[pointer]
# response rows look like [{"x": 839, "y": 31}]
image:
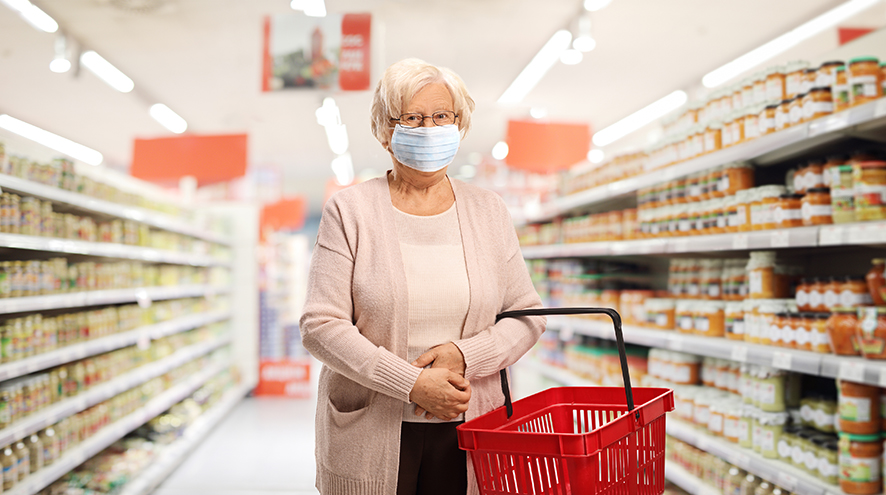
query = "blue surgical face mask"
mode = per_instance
[{"x": 426, "y": 149}]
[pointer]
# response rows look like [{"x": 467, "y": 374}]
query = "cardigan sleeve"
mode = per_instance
[
  {"x": 327, "y": 327},
  {"x": 505, "y": 342}
]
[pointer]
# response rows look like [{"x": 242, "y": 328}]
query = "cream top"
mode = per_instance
[{"x": 437, "y": 283}]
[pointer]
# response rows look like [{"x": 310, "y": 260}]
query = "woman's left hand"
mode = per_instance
[{"x": 447, "y": 356}]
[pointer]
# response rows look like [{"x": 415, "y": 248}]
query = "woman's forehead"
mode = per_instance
[{"x": 432, "y": 94}]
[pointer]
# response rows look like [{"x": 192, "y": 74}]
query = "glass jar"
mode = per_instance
[
  {"x": 869, "y": 181},
  {"x": 859, "y": 408},
  {"x": 716, "y": 419},
  {"x": 745, "y": 427},
  {"x": 734, "y": 321},
  {"x": 783, "y": 115},
  {"x": 770, "y": 386},
  {"x": 775, "y": 84},
  {"x": 683, "y": 311},
  {"x": 816, "y": 207},
  {"x": 685, "y": 369},
  {"x": 854, "y": 293},
  {"x": 713, "y": 137},
  {"x": 661, "y": 313},
  {"x": 832, "y": 293},
  {"x": 876, "y": 281},
  {"x": 841, "y": 332},
  {"x": 788, "y": 211},
  {"x": 829, "y": 178},
  {"x": 785, "y": 443},
  {"x": 766, "y": 278},
  {"x": 827, "y": 73},
  {"x": 771, "y": 429},
  {"x": 794, "y": 76},
  {"x": 709, "y": 319},
  {"x": 766, "y": 119},
  {"x": 768, "y": 199},
  {"x": 865, "y": 80},
  {"x": 828, "y": 469},
  {"x": 860, "y": 463},
  {"x": 817, "y": 103},
  {"x": 795, "y": 110},
  {"x": 840, "y": 90},
  {"x": 871, "y": 332},
  {"x": 742, "y": 220}
]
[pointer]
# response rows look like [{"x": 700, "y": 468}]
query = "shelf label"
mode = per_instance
[
  {"x": 740, "y": 353},
  {"x": 675, "y": 343},
  {"x": 781, "y": 360},
  {"x": 680, "y": 245},
  {"x": 786, "y": 481},
  {"x": 852, "y": 371},
  {"x": 780, "y": 239},
  {"x": 883, "y": 377},
  {"x": 740, "y": 241},
  {"x": 880, "y": 109},
  {"x": 830, "y": 235},
  {"x": 143, "y": 298}
]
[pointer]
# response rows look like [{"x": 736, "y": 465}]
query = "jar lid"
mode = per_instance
[
  {"x": 816, "y": 89},
  {"x": 859, "y": 60},
  {"x": 800, "y": 96},
  {"x": 860, "y": 438},
  {"x": 832, "y": 63},
  {"x": 842, "y": 68},
  {"x": 823, "y": 189},
  {"x": 791, "y": 196}
]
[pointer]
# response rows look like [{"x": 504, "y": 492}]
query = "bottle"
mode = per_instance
[
  {"x": 10, "y": 471},
  {"x": 50, "y": 446},
  {"x": 875, "y": 280},
  {"x": 24, "y": 460},
  {"x": 35, "y": 449}
]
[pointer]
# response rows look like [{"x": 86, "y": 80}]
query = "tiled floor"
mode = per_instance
[{"x": 264, "y": 447}]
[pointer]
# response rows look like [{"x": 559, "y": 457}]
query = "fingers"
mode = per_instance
[
  {"x": 425, "y": 359},
  {"x": 419, "y": 410},
  {"x": 458, "y": 381}
]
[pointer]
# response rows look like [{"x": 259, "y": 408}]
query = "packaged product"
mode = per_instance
[
  {"x": 865, "y": 80},
  {"x": 860, "y": 463},
  {"x": 869, "y": 181},
  {"x": 859, "y": 408},
  {"x": 816, "y": 207},
  {"x": 876, "y": 281},
  {"x": 871, "y": 332},
  {"x": 841, "y": 326}
]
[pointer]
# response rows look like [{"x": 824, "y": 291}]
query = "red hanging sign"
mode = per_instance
[{"x": 354, "y": 63}]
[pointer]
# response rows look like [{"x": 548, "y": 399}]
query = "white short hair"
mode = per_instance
[{"x": 401, "y": 81}]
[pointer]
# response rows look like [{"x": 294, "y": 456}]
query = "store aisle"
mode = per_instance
[{"x": 264, "y": 447}]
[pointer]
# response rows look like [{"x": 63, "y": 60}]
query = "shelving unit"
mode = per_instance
[
  {"x": 109, "y": 343},
  {"x": 794, "y": 141},
  {"x": 68, "y": 407},
  {"x": 687, "y": 481},
  {"x": 110, "y": 434},
  {"x": 96, "y": 206},
  {"x": 107, "y": 250},
  {"x": 100, "y": 297}
]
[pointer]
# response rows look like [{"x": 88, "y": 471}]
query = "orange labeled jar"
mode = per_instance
[
  {"x": 809, "y": 78},
  {"x": 816, "y": 207},
  {"x": 775, "y": 84},
  {"x": 767, "y": 279},
  {"x": 766, "y": 120},
  {"x": 841, "y": 332},
  {"x": 859, "y": 408},
  {"x": 734, "y": 177},
  {"x": 812, "y": 175},
  {"x": 802, "y": 295},
  {"x": 661, "y": 313},
  {"x": 876, "y": 281},
  {"x": 752, "y": 122},
  {"x": 860, "y": 461},
  {"x": 830, "y": 174},
  {"x": 734, "y": 320},
  {"x": 821, "y": 340},
  {"x": 794, "y": 76},
  {"x": 710, "y": 319},
  {"x": 869, "y": 180},
  {"x": 871, "y": 332},
  {"x": 727, "y": 134},
  {"x": 783, "y": 115},
  {"x": 826, "y": 76},
  {"x": 854, "y": 293},
  {"x": 817, "y": 103},
  {"x": 730, "y": 213},
  {"x": 840, "y": 90},
  {"x": 742, "y": 220},
  {"x": 769, "y": 199},
  {"x": 684, "y": 316},
  {"x": 788, "y": 211},
  {"x": 865, "y": 82},
  {"x": 802, "y": 331},
  {"x": 832, "y": 294},
  {"x": 713, "y": 137},
  {"x": 782, "y": 333},
  {"x": 795, "y": 110}
]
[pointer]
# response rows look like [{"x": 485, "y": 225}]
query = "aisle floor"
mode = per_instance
[{"x": 265, "y": 446}]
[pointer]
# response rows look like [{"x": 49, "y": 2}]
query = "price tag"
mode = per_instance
[
  {"x": 143, "y": 299},
  {"x": 880, "y": 109},
  {"x": 780, "y": 239},
  {"x": 740, "y": 241},
  {"x": 883, "y": 377},
  {"x": 740, "y": 353},
  {"x": 852, "y": 371},
  {"x": 680, "y": 245},
  {"x": 786, "y": 481},
  {"x": 830, "y": 235},
  {"x": 781, "y": 360},
  {"x": 675, "y": 343}
]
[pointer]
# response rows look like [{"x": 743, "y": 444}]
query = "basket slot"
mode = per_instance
[{"x": 541, "y": 424}]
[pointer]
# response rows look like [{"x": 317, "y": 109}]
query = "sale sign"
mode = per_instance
[{"x": 284, "y": 378}]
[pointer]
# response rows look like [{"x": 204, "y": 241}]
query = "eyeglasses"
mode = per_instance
[{"x": 417, "y": 119}]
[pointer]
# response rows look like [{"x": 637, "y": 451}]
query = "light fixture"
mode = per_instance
[
  {"x": 595, "y": 5},
  {"x": 784, "y": 42},
  {"x": 596, "y": 155},
  {"x": 50, "y": 140},
  {"x": 168, "y": 118},
  {"x": 329, "y": 117},
  {"x": 538, "y": 112},
  {"x": 311, "y": 8},
  {"x": 640, "y": 118},
  {"x": 537, "y": 67},
  {"x": 31, "y": 13},
  {"x": 571, "y": 57},
  {"x": 500, "y": 150},
  {"x": 584, "y": 42},
  {"x": 343, "y": 168},
  {"x": 467, "y": 171},
  {"x": 60, "y": 62},
  {"x": 106, "y": 72}
]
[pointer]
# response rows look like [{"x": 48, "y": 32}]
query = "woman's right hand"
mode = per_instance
[{"x": 441, "y": 392}]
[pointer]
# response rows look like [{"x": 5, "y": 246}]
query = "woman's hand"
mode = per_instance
[
  {"x": 441, "y": 393},
  {"x": 445, "y": 356}
]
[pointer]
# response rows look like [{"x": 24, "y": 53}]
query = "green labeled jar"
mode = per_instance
[{"x": 860, "y": 463}]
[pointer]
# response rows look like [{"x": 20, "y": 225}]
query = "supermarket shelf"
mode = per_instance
[
  {"x": 782, "y": 474},
  {"x": 107, "y": 250},
  {"x": 861, "y": 233},
  {"x": 854, "y": 369},
  {"x": 100, "y": 297},
  {"x": 110, "y": 434},
  {"x": 687, "y": 481},
  {"x": 105, "y": 391},
  {"x": 109, "y": 343},
  {"x": 171, "y": 457},
  {"x": 559, "y": 375},
  {"x": 85, "y": 203},
  {"x": 763, "y": 150}
]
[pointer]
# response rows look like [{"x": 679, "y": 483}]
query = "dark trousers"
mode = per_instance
[{"x": 430, "y": 461}]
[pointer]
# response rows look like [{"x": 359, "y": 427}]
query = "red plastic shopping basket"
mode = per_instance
[{"x": 572, "y": 440}]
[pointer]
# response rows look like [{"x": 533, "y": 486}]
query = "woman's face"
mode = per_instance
[{"x": 432, "y": 98}]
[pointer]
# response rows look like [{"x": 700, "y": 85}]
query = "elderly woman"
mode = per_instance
[{"x": 407, "y": 276}]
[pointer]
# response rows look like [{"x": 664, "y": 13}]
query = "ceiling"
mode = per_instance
[{"x": 202, "y": 58}]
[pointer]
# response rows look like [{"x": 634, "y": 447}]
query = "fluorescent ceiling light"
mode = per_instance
[
  {"x": 168, "y": 118},
  {"x": 596, "y": 155},
  {"x": 312, "y": 8},
  {"x": 60, "y": 65},
  {"x": 537, "y": 68},
  {"x": 60, "y": 62},
  {"x": 640, "y": 118},
  {"x": 571, "y": 57},
  {"x": 595, "y": 5},
  {"x": 500, "y": 150},
  {"x": 106, "y": 72},
  {"x": 50, "y": 140},
  {"x": 584, "y": 43},
  {"x": 31, "y": 13},
  {"x": 343, "y": 168},
  {"x": 538, "y": 112},
  {"x": 784, "y": 42}
]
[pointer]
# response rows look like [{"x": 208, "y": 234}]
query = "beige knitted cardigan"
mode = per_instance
[{"x": 355, "y": 321}]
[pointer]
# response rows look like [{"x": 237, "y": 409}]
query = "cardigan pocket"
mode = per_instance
[{"x": 349, "y": 448}]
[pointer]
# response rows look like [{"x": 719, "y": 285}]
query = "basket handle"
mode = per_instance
[{"x": 619, "y": 339}]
